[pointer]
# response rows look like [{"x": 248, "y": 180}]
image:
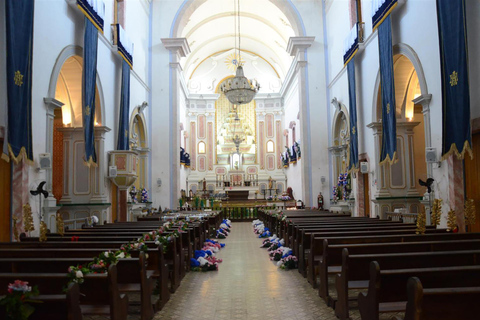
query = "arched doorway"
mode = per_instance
[
  {"x": 397, "y": 184},
  {"x": 72, "y": 183}
]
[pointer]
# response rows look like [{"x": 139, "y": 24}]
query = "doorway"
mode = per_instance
[{"x": 472, "y": 179}]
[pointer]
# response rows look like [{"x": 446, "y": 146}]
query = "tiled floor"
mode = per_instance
[{"x": 247, "y": 286}]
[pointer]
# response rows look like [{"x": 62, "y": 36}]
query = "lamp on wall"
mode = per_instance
[{"x": 239, "y": 90}]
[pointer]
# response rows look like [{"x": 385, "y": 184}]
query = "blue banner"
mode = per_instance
[
  {"x": 381, "y": 9},
  {"x": 389, "y": 122},
  {"x": 89, "y": 85},
  {"x": 182, "y": 156},
  {"x": 187, "y": 160},
  {"x": 123, "y": 128},
  {"x": 94, "y": 11},
  {"x": 19, "y": 24},
  {"x": 293, "y": 157},
  {"x": 352, "y": 100},
  {"x": 452, "y": 30}
]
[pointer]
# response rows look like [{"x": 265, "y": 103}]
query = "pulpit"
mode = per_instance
[{"x": 126, "y": 163}]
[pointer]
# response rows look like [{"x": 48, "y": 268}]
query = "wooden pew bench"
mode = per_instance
[
  {"x": 99, "y": 296},
  {"x": 441, "y": 303},
  {"x": 132, "y": 274},
  {"x": 355, "y": 269},
  {"x": 314, "y": 255},
  {"x": 54, "y": 303},
  {"x": 387, "y": 288}
]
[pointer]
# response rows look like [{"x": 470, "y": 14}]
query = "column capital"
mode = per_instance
[
  {"x": 423, "y": 100},
  {"x": 52, "y": 104},
  {"x": 298, "y": 45},
  {"x": 179, "y": 46}
]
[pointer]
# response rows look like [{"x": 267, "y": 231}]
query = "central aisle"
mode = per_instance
[{"x": 247, "y": 286}]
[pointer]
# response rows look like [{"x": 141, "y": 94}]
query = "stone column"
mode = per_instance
[
  {"x": 178, "y": 48},
  {"x": 297, "y": 48},
  {"x": 51, "y": 104},
  {"x": 99, "y": 172},
  {"x": 424, "y": 101}
]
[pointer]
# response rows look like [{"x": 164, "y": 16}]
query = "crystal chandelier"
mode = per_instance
[
  {"x": 238, "y": 136},
  {"x": 239, "y": 90}
]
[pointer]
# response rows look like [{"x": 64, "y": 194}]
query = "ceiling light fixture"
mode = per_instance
[{"x": 239, "y": 90}]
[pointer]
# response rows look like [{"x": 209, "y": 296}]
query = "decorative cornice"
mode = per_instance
[
  {"x": 177, "y": 45},
  {"x": 52, "y": 103},
  {"x": 297, "y": 44}
]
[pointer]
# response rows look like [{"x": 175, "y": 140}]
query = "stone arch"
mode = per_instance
[
  {"x": 407, "y": 51},
  {"x": 68, "y": 52},
  {"x": 189, "y": 6}
]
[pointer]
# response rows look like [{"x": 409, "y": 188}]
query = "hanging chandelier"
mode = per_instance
[
  {"x": 238, "y": 135},
  {"x": 239, "y": 90}
]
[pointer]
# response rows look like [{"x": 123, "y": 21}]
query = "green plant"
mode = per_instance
[{"x": 17, "y": 299}]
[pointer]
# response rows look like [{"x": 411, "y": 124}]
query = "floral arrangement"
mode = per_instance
[
  {"x": 289, "y": 262},
  {"x": 436, "y": 211},
  {"x": 144, "y": 195},
  {"x": 17, "y": 299},
  {"x": 284, "y": 198},
  {"x": 276, "y": 255},
  {"x": 133, "y": 194},
  {"x": 296, "y": 145},
  {"x": 205, "y": 259}
]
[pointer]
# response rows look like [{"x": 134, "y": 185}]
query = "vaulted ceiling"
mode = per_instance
[{"x": 264, "y": 29}]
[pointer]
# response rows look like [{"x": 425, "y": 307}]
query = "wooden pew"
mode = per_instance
[
  {"x": 331, "y": 261},
  {"x": 386, "y": 288},
  {"x": 441, "y": 303},
  {"x": 132, "y": 274},
  {"x": 99, "y": 293},
  {"x": 355, "y": 269},
  {"x": 316, "y": 243},
  {"x": 54, "y": 303}
]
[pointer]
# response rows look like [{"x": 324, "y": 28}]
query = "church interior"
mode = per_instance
[{"x": 145, "y": 142}]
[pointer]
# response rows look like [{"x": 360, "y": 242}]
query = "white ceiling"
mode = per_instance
[{"x": 265, "y": 31}]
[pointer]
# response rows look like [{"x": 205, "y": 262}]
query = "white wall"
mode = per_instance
[{"x": 58, "y": 25}]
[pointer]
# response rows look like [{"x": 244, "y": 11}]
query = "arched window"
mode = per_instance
[
  {"x": 270, "y": 146},
  {"x": 201, "y": 147}
]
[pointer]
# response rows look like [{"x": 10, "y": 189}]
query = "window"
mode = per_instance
[
  {"x": 270, "y": 146},
  {"x": 201, "y": 147},
  {"x": 293, "y": 135}
]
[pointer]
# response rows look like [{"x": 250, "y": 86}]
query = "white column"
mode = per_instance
[
  {"x": 51, "y": 104},
  {"x": 178, "y": 48},
  {"x": 297, "y": 47},
  {"x": 100, "y": 172},
  {"x": 424, "y": 100}
]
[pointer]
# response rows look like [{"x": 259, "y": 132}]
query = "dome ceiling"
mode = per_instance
[{"x": 265, "y": 31}]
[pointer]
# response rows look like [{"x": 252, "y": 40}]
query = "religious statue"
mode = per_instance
[
  {"x": 204, "y": 184},
  {"x": 270, "y": 183},
  {"x": 320, "y": 201}
]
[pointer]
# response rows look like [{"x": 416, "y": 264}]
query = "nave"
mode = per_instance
[{"x": 247, "y": 286}]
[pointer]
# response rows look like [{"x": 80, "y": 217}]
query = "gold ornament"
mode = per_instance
[
  {"x": 27, "y": 218},
  {"x": 15, "y": 230},
  {"x": 470, "y": 217},
  {"x": 421, "y": 222},
  {"x": 451, "y": 220},
  {"x": 436, "y": 211},
  {"x": 43, "y": 231},
  {"x": 60, "y": 224}
]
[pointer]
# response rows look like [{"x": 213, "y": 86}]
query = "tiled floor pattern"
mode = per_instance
[{"x": 247, "y": 286}]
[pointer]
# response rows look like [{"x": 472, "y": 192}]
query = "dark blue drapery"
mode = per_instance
[
  {"x": 352, "y": 99},
  {"x": 452, "y": 30},
  {"x": 123, "y": 129},
  {"x": 89, "y": 85},
  {"x": 182, "y": 156},
  {"x": 19, "y": 23},
  {"x": 389, "y": 125}
]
